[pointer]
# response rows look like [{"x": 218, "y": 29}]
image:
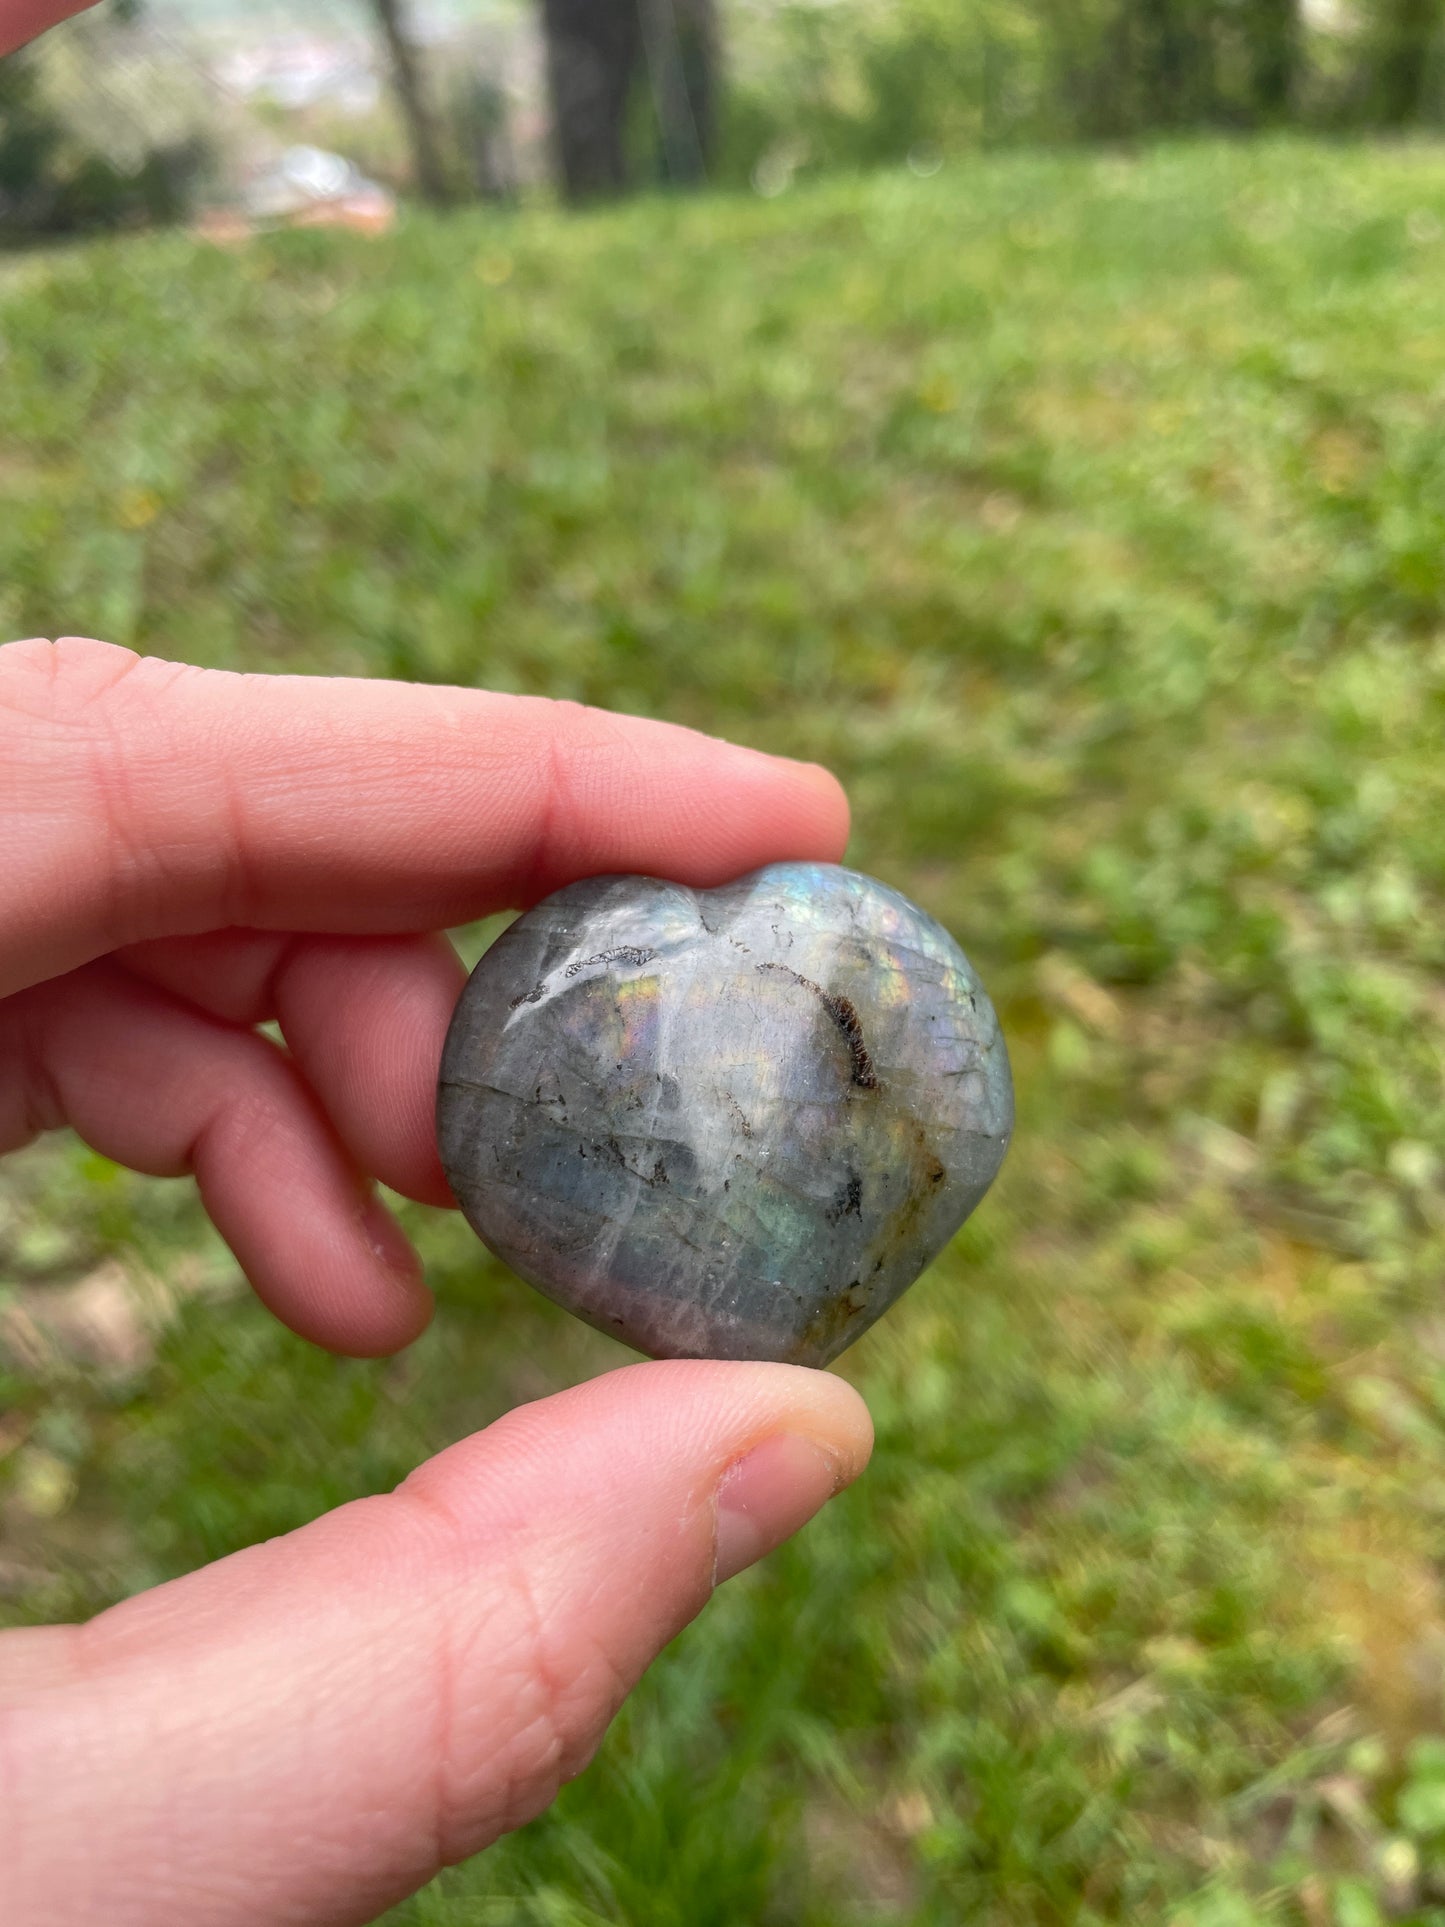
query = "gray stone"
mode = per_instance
[{"x": 731, "y": 1123}]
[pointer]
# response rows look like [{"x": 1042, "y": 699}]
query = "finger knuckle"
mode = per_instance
[
  {"x": 524, "y": 1697},
  {"x": 80, "y": 725},
  {"x": 58, "y": 682}
]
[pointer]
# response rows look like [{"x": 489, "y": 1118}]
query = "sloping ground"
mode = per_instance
[{"x": 1089, "y": 516}]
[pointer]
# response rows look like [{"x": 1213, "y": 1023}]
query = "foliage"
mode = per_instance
[
  {"x": 52, "y": 182},
  {"x": 826, "y": 84},
  {"x": 1403, "y": 71},
  {"x": 1089, "y": 516}
]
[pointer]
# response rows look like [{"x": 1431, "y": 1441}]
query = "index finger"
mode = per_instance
[
  {"x": 21, "y": 20},
  {"x": 148, "y": 799}
]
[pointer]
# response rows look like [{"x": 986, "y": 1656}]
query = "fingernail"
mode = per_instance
[
  {"x": 766, "y": 1496},
  {"x": 388, "y": 1240}
]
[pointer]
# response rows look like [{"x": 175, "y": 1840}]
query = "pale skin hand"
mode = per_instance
[
  {"x": 310, "y": 1729},
  {"x": 307, "y": 1731}
]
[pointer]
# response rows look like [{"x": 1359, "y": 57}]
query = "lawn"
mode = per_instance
[{"x": 1088, "y": 515}]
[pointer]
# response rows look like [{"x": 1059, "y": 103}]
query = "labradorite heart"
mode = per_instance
[{"x": 731, "y": 1123}]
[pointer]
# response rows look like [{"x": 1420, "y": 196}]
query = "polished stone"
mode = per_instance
[{"x": 731, "y": 1123}]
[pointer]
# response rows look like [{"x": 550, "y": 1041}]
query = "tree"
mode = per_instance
[
  {"x": 30, "y": 141},
  {"x": 593, "y": 48},
  {"x": 679, "y": 39},
  {"x": 1277, "y": 35},
  {"x": 1153, "y": 64},
  {"x": 411, "y": 95},
  {"x": 597, "y": 53},
  {"x": 1175, "y": 61},
  {"x": 1405, "y": 34},
  {"x": 53, "y": 182}
]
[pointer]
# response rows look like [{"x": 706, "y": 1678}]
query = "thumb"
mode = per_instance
[{"x": 308, "y": 1730}]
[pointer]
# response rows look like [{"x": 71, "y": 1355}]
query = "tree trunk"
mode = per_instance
[
  {"x": 593, "y": 52},
  {"x": 1277, "y": 34},
  {"x": 411, "y": 97},
  {"x": 1169, "y": 56},
  {"x": 1406, "y": 37},
  {"x": 680, "y": 41},
  {"x": 597, "y": 50}
]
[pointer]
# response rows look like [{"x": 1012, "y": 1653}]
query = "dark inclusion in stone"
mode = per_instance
[{"x": 731, "y": 1123}]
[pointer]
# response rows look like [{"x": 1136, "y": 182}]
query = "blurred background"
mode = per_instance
[{"x": 1034, "y": 411}]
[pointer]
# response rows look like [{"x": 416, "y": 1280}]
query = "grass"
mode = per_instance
[{"x": 1088, "y": 514}]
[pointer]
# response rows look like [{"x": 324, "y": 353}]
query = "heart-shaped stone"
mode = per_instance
[{"x": 731, "y": 1123}]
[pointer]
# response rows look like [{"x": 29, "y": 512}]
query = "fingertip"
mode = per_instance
[
  {"x": 319, "y": 1248},
  {"x": 370, "y": 1303},
  {"x": 696, "y": 1417},
  {"x": 387, "y": 1327},
  {"x": 817, "y": 1440},
  {"x": 799, "y": 1401},
  {"x": 825, "y": 808},
  {"x": 845, "y": 1425},
  {"x": 401, "y": 1307},
  {"x": 766, "y": 1498},
  {"x": 365, "y": 1019},
  {"x": 781, "y": 809}
]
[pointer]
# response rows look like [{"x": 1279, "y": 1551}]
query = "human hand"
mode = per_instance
[
  {"x": 22, "y": 20},
  {"x": 306, "y": 1731}
]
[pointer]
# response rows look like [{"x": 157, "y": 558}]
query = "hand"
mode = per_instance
[
  {"x": 21, "y": 20},
  {"x": 311, "y": 1728}
]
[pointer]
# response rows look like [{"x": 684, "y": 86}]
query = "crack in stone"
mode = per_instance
[
  {"x": 845, "y": 1016},
  {"x": 624, "y": 953}
]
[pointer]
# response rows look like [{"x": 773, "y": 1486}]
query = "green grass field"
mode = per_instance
[{"x": 1088, "y": 515}]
